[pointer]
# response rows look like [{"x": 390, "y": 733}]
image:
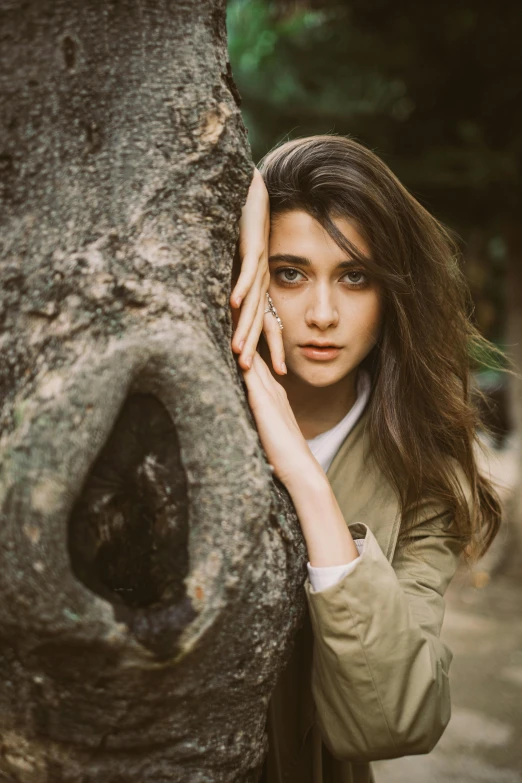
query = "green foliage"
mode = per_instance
[
  {"x": 435, "y": 88},
  {"x": 296, "y": 68}
]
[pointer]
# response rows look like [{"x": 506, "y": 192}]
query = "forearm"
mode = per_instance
[{"x": 328, "y": 540}]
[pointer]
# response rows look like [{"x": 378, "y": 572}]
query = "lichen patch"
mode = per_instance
[
  {"x": 213, "y": 123},
  {"x": 33, "y": 533},
  {"x": 51, "y": 387},
  {"x": 46, "y": 496}
]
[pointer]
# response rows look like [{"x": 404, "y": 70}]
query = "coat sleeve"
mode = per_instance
[{"x": 380, "y": 671}]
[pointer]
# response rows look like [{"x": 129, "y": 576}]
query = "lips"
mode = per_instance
[
  {"x": 320, "y": 345},
  {"x": 320, "y": 352}
]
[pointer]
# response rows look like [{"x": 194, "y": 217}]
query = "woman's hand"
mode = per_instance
[
  {"x": 282, "y": 440},
  {"x": 328, "y": 539},
  {"x": 248, "y": 299}
]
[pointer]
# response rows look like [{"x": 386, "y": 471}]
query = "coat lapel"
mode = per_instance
[{"x": 363, "y": 493}]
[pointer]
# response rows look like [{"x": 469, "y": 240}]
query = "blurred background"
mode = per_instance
[{"x": 435, "y": 89}]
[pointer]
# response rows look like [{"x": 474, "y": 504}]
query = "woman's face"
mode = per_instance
[{"x": 322, "y": 298}]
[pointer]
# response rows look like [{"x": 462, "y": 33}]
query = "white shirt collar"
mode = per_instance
[{"x": 325, "y": 446}]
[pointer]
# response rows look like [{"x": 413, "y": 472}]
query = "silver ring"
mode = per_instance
[{"x": 271, "y": 309}]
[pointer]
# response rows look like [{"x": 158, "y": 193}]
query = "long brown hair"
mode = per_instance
[{"x": 421, "y": 410}]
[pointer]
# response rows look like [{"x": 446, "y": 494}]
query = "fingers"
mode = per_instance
[
  {"x": 251, "y": 341},
  {"x": 252, "y": 283},
  {"x": 260, "y": 367},
  {"x": 248, "y": 328},
  {"x": 254, "y": 228},
  {"x": 259, "y": 379},
  {"x": 264, "y": 378},
  {"x": 274, "y": 339},
  {"x": 249, "y": 311},
  {"x": 256, "y": 389},
  {"x": 249, "y": 270}
]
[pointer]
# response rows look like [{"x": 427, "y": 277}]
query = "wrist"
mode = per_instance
[
  {"x": 328, "y": 539},
  {"x": 305, "y": 477}
]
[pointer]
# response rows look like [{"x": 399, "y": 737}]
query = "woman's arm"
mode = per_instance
[
  {"x": 328, "y": 540},
  {"x": 380, "y": 671}
]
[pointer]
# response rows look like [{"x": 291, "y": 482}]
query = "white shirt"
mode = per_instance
[{"x": 324, "y": 448}]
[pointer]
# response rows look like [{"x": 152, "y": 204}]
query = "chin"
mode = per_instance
[
  {"x": 321, "y": 379},
  {"x": 322, "y": 384}
]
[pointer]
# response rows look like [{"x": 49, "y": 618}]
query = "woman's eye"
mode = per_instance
[
  {"x": 356, "y": 277},
  {"x": 288, "y": 275}
]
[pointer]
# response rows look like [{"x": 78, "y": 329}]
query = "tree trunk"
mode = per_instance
[{"x": 150, "y": 570}]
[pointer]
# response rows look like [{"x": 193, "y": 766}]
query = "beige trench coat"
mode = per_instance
[{"x": 368, "y": 676}]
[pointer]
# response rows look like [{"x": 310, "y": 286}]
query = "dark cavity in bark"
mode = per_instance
[
  {"x": 69, "y": 52},
  {"x": 128, "y": 530}
]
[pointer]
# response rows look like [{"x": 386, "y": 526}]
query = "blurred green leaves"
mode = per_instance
[
  {"x": 296, "y": 72},
  {"x": 435, "y": 88}
]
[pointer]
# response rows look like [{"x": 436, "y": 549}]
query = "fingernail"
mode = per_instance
[
  {"x": 283, "y": 367},
  {"x": 241, "y": 344},
  {"x": 238, "y": 300},
  {"x": 248, "y": 362}
]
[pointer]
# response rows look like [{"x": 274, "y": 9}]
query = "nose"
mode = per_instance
[{"x": 322, "y": 310}]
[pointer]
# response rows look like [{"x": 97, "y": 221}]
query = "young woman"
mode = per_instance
[{"x": 366, "y": 418}]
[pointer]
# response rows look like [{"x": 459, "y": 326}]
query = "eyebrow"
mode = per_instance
[{"x": 303, "y": 261}]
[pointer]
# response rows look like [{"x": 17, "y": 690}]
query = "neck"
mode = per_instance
[{"x": 318, "y": 409}]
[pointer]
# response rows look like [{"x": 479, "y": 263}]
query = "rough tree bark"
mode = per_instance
[{"x": 150, "y": 570}]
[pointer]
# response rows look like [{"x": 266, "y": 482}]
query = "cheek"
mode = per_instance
[{"x": 369, "y": 317}]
